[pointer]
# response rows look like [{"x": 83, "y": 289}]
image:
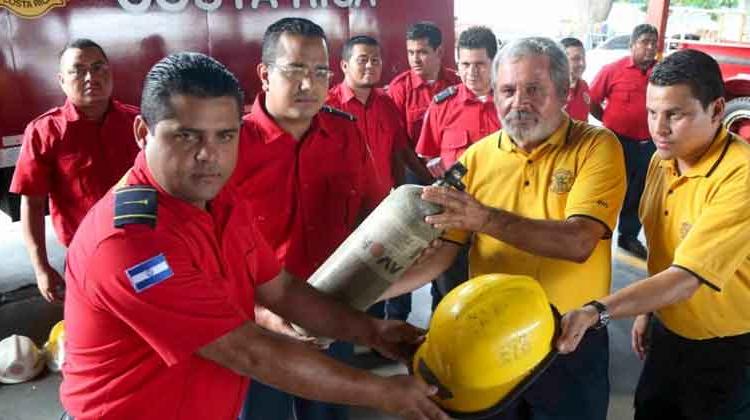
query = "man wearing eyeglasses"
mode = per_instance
[
  {"x": 305, "y": 169},
  {"x": 72, "y": 155}
]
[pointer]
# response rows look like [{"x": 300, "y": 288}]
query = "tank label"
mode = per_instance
[
  {"x": 31, "y": 8},
  {"x": 390, "y": 249},
  {"x": 141, "y": 6}
]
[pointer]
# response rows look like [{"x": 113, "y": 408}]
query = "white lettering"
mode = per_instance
[
  {"x": 274, "y": 3},
  {"x": 208, "y": 5},
  {"x": 172, "y": 5},
  {"x": 140, "y": 7}
]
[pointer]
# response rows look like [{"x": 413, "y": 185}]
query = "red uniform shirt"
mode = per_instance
[
  {"x": 74, "y": 161},
  {"x": 306, "y": 195},
  {"x": 380, "y": 123},
  {"x": 412, "y": 95},
  {"x": 455, "y": 123},
  {"x": 131, "y": 354},
  {"x": 623, "y": 85},
  {"x": 578, "y": 101}
]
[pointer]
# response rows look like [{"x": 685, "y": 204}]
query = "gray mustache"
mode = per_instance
[{"x": 520, "y": 115}]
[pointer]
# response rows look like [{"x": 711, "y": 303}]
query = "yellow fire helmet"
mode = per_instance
[
  {"x": 488, "y": 340},
  {"x": 54, "y": 348}
]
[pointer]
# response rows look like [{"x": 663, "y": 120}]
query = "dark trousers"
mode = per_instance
[
  {"x": 575, "y": 387},
  {"x": 694, "y": 379},
  {"x": 637, "y": 157},
  {"x": 456, "y": 274},
  {"x": 264, "y": 402}
]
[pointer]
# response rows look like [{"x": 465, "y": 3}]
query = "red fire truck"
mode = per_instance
[{"x": 137, "y": 33}]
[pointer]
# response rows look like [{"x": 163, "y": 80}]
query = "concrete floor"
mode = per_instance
[{"x": 24, "y": 312}]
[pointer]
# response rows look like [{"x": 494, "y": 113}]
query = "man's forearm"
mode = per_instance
[
  {"x": 291, "y": 366},
  {"x": 299, "y": 303},
  {"x": 32, "y": 228},
  {"x": 570, "y": 239},
  {"x": 668, "y": 287},
  {"x": 420, "y": 274}
]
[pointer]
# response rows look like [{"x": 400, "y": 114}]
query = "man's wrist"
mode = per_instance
[
  {"x": 490, "y": 220},
  {"x": 42, "y": 267},
  {"x": 601, "y": 312}
]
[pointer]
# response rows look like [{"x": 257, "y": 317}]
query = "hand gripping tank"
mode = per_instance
[{"x": 385, "y": 245}]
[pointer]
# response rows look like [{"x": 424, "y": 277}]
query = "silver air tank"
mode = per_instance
[{"x": 385, "y": 245}]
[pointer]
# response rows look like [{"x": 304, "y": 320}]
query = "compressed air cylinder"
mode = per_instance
[
  {"x": 384, "y": 246},
  {"x": 379, "y": 251}
]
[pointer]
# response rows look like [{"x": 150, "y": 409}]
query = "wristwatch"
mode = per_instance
[{"x": 604, "y": 316}]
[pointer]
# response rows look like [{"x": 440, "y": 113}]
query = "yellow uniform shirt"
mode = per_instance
[
  {"x": 700, "y": 221},
  {"x": 578, "y": 171}
]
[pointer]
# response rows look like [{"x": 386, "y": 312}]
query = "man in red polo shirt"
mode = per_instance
[
  {"x": 464, "y": 113},
  {"x": 165, "y": 269},
  {"x": 622, "y": 85},
  {"x": 380, "y": 123},
  {"x": 413, "y": 90},
  {"x": 305, "y": 169},
  {"x": 72, "y": 155},
  {"x": 579, "y": 99},
  {"x": 376, "y": 115}
]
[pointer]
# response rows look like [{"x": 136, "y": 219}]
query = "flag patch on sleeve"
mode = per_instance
[{"x": 149, "y": 273}]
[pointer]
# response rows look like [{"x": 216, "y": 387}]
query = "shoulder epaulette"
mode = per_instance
[
  {"x": 445, "y": 94},
  {"x": 335, "y": 111},
  {"x": 135, "y": 204}
]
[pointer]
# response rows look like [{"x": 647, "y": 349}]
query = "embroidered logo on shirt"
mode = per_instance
[
  {"x": 586, "y": 98},
  {"x": 562, "y": 181},
  {"x": 31, "y": 9},
  {"x": 685, "y": 229},
  {"x": 149, "y": 273}
]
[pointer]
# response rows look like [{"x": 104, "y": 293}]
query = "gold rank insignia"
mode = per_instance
[
  {"x": 562, "y": 181},
  {"x": 135, "y": 204}
]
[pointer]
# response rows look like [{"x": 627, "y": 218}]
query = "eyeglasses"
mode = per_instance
[
  {"x": 299, "y": 73},
  {"x": 80, "y": 71}
]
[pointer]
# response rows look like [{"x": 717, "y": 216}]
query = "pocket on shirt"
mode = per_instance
[
  {"x": 453, "y": 144},
  {"x": 626, "y": 91},
  {"x": 76, "y": 172}
]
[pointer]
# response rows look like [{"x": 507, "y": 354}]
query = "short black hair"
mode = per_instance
[
  {"x": 425, "y": 30},
  {"x": 693, "y": 68},
  {"x": 571, "y": 42},
  {"x": 478, "y": 37},
  {"x": 185, "y": 73},
  {"x": 81, "y": 43},
  {"x": 643, "y": 29},
  {"x": 346, "y": 50},
  {"x": 289, "y": 25}
]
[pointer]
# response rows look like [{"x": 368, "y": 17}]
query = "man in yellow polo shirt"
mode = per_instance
[
  {"x": 696, "y": 214},
  {"x": 542, "y": 199}
]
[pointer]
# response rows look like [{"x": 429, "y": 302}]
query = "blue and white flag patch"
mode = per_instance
[{"x": 149, "y": 273}]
